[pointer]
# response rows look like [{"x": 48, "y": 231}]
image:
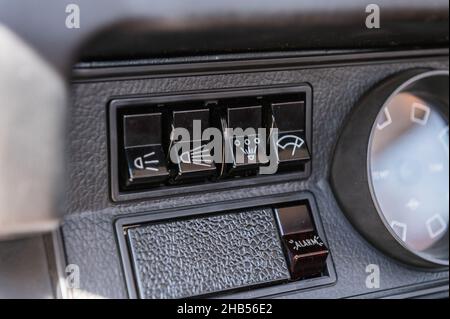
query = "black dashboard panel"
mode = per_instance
[{"x": 336, "y": 86}]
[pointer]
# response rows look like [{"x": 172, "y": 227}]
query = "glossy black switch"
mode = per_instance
[
  {"x": 245, "y": 117},
  {"x": 244, "y": 145},
  {"x": 142, "y": 129},
  {"x": 146, "y": 164},
  {"x": 144, "y": 155},
  {"x": 290, "y": 144},
  {"x": 289, "y": 116},
  {"x": 306, "y": 253},
  {"x": 188, "y": 119},
  {"x": 192, "y": 158},
  {"x": 195, "y": 160}
]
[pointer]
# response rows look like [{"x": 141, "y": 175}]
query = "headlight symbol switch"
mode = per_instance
[{"x": 144, "y": 154}]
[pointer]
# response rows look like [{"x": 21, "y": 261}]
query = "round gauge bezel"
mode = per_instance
[
  {"x": 349, "y": 174},
  {"x": 402, "y": 88}
]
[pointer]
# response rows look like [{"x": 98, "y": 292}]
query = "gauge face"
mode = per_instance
[
  {"x": 409, "y": 171},
  {"x": 397, "y": 193}
]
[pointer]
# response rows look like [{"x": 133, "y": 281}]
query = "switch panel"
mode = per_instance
[{"x": 158, "y": 143}]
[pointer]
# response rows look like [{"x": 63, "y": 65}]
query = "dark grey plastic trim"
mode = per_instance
[
  {"x": 232, "y": 63},
  {"x": 432, "y": 289},
  {"x": 117, "y": 195},
  {"x": 122, "y": 223}
]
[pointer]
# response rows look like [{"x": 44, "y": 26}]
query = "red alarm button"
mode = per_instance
[{"x": 305, "y": 251}]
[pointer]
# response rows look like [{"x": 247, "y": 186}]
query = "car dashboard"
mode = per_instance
[{"x": 195, "y": 149}]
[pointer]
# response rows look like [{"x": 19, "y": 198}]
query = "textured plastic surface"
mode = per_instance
[
  {"x": 88, "y": 228},
  {"x": 205, "y": 255},
  {"x": 238, "y": 252}
]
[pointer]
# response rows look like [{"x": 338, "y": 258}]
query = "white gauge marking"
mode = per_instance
[
  {"x": 443, "y": 138},
  {"x": 420, "y": 113},
  {"x": 388, "y": 120},
  {"x": 413, "y": 204},
  {"x": 380, "y": 175},
  {"x": 436, "y": 167},
  {"x": 400, "y": 229},
  {"x": 436, "y": 226}
]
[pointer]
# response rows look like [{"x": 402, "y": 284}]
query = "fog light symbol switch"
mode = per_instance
[
  {"x": 306, "y": 253},
  {"x": 193, "y": 158}
]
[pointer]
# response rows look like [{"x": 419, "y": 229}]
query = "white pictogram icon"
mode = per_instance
[
  {"x": 380, "y": 175},
  {"x": 290, "y": 141},
  {"x": 443, "y": 138},
  {"x": 400, "y": 229},
  {"x": 387, "y": 119},
  {"x": 436, "y": 226},
  {"x": 249, "y": 148},
  {"x": 413, "y": 204},
  {"x": 199, "y": 155},
  {"x": 143, "y": 162},
  {"x": 436, "y": 167},
  {"x": 420, "y": 113}
]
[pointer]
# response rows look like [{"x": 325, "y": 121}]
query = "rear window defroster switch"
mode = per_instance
[{"x": 305, "y": 251}]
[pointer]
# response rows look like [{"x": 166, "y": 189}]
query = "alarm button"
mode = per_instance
[{"x": 305, "y": 251}]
